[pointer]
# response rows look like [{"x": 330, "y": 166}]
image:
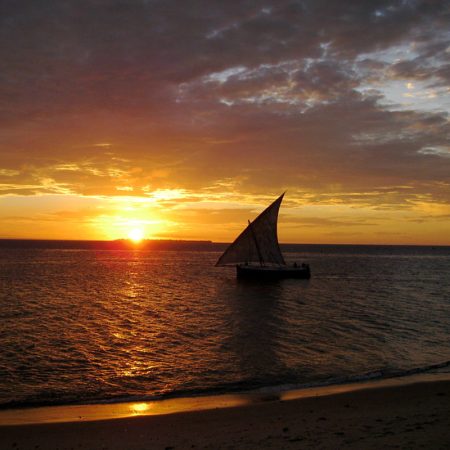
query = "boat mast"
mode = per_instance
[{"x": 261, "y": 260}]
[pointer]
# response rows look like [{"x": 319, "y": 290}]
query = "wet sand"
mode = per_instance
[{"x": 413, "y": 416}]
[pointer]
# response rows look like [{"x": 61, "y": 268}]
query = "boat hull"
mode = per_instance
[{"x": 273, "y": 272}]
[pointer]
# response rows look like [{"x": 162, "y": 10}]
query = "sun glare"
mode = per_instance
[
  {"x": 137, "y": 408},
  {"x": 136, "y": 235}
]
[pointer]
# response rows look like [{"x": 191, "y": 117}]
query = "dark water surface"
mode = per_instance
[{"x": 89, "y": 326}]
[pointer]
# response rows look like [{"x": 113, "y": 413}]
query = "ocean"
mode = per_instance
[{"x": 96, "y": 325}]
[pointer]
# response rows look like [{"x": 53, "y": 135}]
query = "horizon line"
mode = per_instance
[{"x": 205, "y": 241}]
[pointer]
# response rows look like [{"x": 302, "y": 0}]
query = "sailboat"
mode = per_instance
[{"x": 256, "y": 252}]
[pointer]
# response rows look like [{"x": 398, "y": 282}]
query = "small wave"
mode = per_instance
[
  {"x": 260, "y": 387},
  {"x": 368, "y": 376}
]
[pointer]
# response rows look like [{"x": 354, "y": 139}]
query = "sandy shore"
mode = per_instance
[{"x": 409, "y": 416}]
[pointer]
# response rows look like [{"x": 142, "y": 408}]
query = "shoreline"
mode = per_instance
[
  {"x": 412, "y": 415},
  {"x": 38, "y": 415}
]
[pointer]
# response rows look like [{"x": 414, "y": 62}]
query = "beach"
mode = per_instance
[{"x": 402, "y": 415}]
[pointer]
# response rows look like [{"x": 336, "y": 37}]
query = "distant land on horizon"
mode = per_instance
[
  {"x": 198, "y": 245},
  {"x": 117, "y": 244}
]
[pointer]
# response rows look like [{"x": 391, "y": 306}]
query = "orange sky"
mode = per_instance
[{"x": 185, "y": 122}]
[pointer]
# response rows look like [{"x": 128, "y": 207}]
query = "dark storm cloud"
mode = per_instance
[{"x": 266, "y": 92}]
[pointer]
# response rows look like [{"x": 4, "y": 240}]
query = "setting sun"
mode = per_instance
[{"x": 136, "y": 235}]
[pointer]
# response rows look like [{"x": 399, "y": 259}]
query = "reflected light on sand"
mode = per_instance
[
  {"x": 77, "y": 413},
  {"x": 139, "y": 408}
]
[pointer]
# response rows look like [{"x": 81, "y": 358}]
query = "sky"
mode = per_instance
[{"x": 184, "y": 119}]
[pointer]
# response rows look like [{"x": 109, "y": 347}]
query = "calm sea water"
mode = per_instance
[{"x": 88, "y": 326}]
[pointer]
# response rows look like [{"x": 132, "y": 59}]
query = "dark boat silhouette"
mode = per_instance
[{"x": 256, "y": 252}]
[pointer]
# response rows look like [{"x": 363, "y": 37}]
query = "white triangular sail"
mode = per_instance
[{"x": 258, "y": 242}]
